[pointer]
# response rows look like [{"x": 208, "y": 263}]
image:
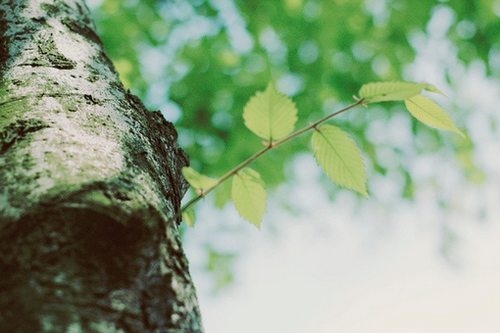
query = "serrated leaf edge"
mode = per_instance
[{"x": 362, "y": 185}]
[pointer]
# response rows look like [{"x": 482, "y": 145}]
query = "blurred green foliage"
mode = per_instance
[{"x": 200, "y": 61}]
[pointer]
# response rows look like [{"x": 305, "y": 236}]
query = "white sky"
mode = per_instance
[{"x": 332, "y": 269}]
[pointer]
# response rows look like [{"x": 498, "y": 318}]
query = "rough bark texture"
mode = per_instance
[{"x": 88, "y": 181}]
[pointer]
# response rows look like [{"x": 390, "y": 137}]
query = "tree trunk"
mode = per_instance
[{"x": 88, "y": 182}]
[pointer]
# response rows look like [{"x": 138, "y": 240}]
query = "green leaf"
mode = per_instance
[
  {"x": 270, "y": 114},
  {"x": 222, "y": 194},
  {"x": 197, "y": 180},
  {"x": 189, "y": 217},
  {"x": 434, "y": 89},
  {"x": 249, "y": 195},
  {"x": 393, "y": 91},
  {"x": 339, "y": 157},
  {"x": 431, "y": 114}
]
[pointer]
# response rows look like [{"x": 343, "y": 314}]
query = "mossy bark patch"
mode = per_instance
[
  {"x": 18, "y": 130},
  {"x": 50, "y": 55}
]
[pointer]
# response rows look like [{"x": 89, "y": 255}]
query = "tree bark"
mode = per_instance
[{"x": 88, "y": 182}]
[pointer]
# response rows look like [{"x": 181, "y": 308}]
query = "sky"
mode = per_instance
[
  {"x": 381, "y": 264},
  {"x": 347, "y": 267}
]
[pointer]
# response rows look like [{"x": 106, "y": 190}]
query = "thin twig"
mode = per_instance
[{"x": 270, "y": 146}]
